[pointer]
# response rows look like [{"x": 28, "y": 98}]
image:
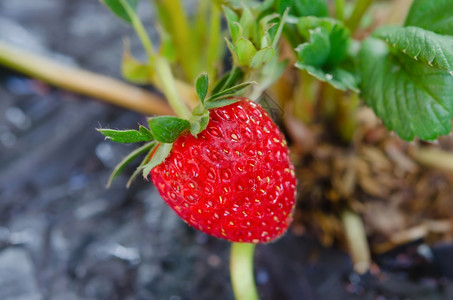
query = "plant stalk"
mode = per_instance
[
  {"x": 84, "y": 82},
  {"x": 140, "y": 30},
  {"x": 241, "y": 271},
  {"x": 434, "y": 158},
  {"x": 346, "y": 117},
  {"x": 214, "y": 42},
  {"x": 339, "y": 9},
  {"x": 357, "y": 241},
  {"x": 172, "y": 16},
  {"x": 161, "y": 66},
  {"x": 359, "y": 10},
  {"x": 168, "y": 84}
]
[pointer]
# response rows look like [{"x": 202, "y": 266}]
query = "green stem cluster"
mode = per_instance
[{"x": 196, "y": 37}]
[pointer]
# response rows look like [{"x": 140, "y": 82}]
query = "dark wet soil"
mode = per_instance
[{"x": 64, "y": 236}]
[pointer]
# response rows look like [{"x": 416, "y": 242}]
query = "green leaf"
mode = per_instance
[
  {"x": 434, "y": 15},
  {"x": 117, "y": 8},
  {"x": 302, "y": 8},
  {"x": 161, "y": 153},
  {"x": 232, "y": 50},
  {"x": 279, "y": 31},
  {"x": 266, "y": 41},
  {"x": 244, "y": 50},
  {"x": 128, "y": 159},
  {"x": 199, "y": 122},
  {"x": 316, "y": 52},
  {"x": 201, "y": 85},
  {"x": 248, "y": 24},
  {"x": 262, "y": 57},
  {"x": 339, "y": 36},
  {"x": 198, "y": 110},
  {"x": 124, "y": 136},
  {"x": 337, "y": 77},
  {"x": 228, "y": 80},
  {"x": 233, "y": 23},
  {"x": 411, "y": 97},
  {"x": 166, "y": 129},
  {"x": 229, "y": 92},
  {"x": 431, "y": 48},
  {"x": 326, "y": 49},
  {"x": 265, "y": 23}
]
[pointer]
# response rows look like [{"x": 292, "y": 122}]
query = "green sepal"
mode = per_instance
[
  {"x": 232, "y": 22},
  {"x": 166, "y": 129},
  {"x": 118, "y": 9},
  {"x": 279, "y": 30},
  {"x": 139, "y": 169},
  {"x": 229, "y": 92},
  {"x": 145, "y": 131},
  {"x": 159, "y": 155},
  {"x": 201, "y": 86},
  {"x": 199, "y": 120},
  {"x": 263, "y": 56},
  {"x": 128, "y": 159},
  {"x": 266, "y": 41},
  {"x": 232, "y": 50},
  {"x": 220, "y": 102},
  {"x": 125, "y": 136},
  {"x": 228, "y": 80},
  {"x": 248, "y": 24},
  {"x": 244, "y": 50},
  {"x": 265, "y": 24}
]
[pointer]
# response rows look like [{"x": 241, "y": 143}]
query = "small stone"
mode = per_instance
[{"x": 17, "y": 276}]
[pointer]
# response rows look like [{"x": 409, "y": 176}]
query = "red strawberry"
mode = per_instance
[{"x": 234, "y": 180}]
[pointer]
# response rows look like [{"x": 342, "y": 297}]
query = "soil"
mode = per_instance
[{"x": 63, "y": 235}]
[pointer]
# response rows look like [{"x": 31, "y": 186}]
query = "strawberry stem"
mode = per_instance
[
  {"x": 241, "y": 271},
  {"x": 360, "y": 8},
  {"x": 161, "y": 65},
  {"x": 339, "y": 10},
  {"x": 83, "y": 82},
  {"x": 140, "y": 30},
  {"x": 168, "y": 84}
]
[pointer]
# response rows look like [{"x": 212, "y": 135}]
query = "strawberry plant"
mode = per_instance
[{"x": 220, "y": 162}]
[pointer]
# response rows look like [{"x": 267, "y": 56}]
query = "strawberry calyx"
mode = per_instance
[{"x": 162, "y": 131}]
